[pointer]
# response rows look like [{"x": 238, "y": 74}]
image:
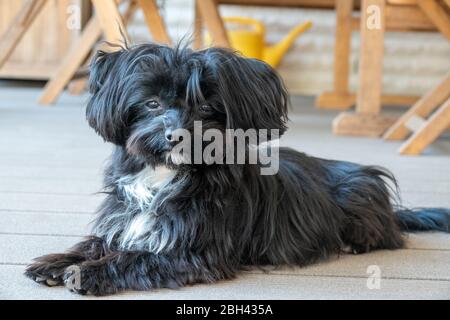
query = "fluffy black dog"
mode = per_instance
[{"x": 168, "y": 225}]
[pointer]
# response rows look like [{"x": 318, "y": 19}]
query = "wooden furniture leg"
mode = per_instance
[
  {"x": 210, "y": 14},
  {"x": 111, "y": 22},
  {"x": 437, "y": 15},
  {"x": 77, "y": 86},
  {"x": 108, "y": 20},
  {"x": 71, "y": 63},
  {"x": 198, "y": 28},
  {"x": 154, "y": 21},
  {"x": 340, "y": 98},
  {"x": 367, "y": 121},
  {"x": 429, "y": 131},
  {"x": 426, "y": 131},
  {"x": 422, "y": 109},
  {"x": 22, "y": 22}
]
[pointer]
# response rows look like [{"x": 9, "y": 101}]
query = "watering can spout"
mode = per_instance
[
  {"x": 273, "y": 54},
  {"x": 248, "y": 37}
]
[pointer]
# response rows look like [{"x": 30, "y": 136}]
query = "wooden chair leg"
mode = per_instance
[
  {"x": 111, "y": 21},
  {"x": 19, "y": 26},
  {"x": 423, "y": 108},
  {"x": 155, "y": 22},
  {"x": 77, "y": 86},
  {"x": 198, "y": 28},
  {"x": 340, "y": 98},
  {"x": 114, "y": 31},
  {"x": 210, "y": 14},
  {"x": 437, "y": 15},
  {"x": 72, "y": 62},
  {"x": 429, "y": 131},
  {"x": 371, "y": 64},
  {"x": 367, "y": 121}
]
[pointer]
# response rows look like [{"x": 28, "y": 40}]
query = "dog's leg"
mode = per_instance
[
  {"x": 49, "y": 269},
  {"x": 144, "y": 271}
]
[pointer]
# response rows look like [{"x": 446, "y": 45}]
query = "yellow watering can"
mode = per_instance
[{"x": 248, "y": 37}]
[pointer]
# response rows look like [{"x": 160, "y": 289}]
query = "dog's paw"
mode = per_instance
[
  {"x": 89, "y": 279},
  {"x": 50, "y": 269},
  {"x": 48, "y": 273}
]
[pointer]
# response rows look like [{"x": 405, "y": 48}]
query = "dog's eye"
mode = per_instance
[
  {"x": 153, "y": 104},
  {"x": 205, "y": 108}
]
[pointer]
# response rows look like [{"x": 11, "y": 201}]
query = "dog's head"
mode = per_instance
[{"x": 141, "y": 95}]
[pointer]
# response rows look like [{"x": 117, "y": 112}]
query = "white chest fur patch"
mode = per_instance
[{"x": 140, "y": 190}]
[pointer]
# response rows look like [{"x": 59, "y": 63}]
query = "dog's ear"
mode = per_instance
[
  {"x": 100, "y": 67},
  {"x": 251, "y": 91},
  {"x": 100, "y": 111}
]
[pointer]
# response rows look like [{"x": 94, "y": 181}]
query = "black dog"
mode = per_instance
[{"x": 168, "y": 225}]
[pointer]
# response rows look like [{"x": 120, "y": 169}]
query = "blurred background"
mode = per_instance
[{"x": 369, "y": 82}]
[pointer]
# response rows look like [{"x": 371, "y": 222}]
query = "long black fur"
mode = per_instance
[{"x": 211, "y": 221}]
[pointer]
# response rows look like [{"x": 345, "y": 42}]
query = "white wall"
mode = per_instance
[{"x": 414, "y": 62}]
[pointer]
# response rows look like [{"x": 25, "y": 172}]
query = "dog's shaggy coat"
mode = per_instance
[{"x": 168, "y": 225}]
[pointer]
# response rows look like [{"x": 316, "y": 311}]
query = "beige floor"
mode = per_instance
[{"x": 50, "y": 166}]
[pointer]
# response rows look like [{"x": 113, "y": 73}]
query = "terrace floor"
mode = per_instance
[{"x": 51, "y": 164}]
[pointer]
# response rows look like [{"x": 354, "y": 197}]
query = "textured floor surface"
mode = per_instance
[{"x": 50, "y": 168}]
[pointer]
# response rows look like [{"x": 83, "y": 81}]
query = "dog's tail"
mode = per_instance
[{"x": 424, "y": 219}]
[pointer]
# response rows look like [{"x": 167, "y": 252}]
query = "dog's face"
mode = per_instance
[{"x": 140, "y": 96}]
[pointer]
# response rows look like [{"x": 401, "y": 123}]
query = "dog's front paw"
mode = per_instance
[
  {"x": 47, "y": 270},
  {"x": 89, "y": 278},
  {"x": 50, "y": 269}
]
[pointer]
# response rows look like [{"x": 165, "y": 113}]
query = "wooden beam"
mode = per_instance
[
  {"x": 342, "y": 46},
  {"x": 18, "y": 27},
  {"x": 437, "y": 15},
  {"x": 371, "y": 59},
  {"x": 73, "y": 60},
  {"x": 335, "y": 101},
  {"x": 367, "y": 121},
  {"x": 402, "y": 2},
  {"x": 325, "y": 4},
  {"x": 198, "y": 28},
  {"x": 423, "y": 108},
  {"x": 111, "y": 22},
  {"x": 447, "y": 2},
  {"x": 77, "y": 86},
  {"x": 358, "y": 124},
  {"x": 155, "y": 22},
  {"x": 210, "y": 14},
  {"x": 428, "y": 132},
  {"x": 77, "y": 56},
  {"x": 331, "y": 100}
]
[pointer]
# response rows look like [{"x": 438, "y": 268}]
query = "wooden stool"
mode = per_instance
[
  {"x": 107, "y": 21},
  {"x": 430, "y": 116},
  {"x": 436, "y": 106},
  {"x": 399, "y": 15},
  {"x": 367, "y": 120}
]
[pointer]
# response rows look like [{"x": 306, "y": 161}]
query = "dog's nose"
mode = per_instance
[
  {"x": 171, "y": 123},
  {"x": 169, "y": 135},
  {"x": 172, "y": 136}
]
